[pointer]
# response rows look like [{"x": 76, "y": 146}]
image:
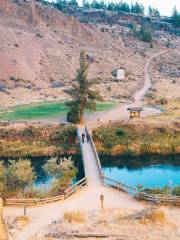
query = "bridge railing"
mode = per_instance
[
  {"x": 74, "y": 188},
  {"x": 119, "y": 186},
  {"x": 95, "y": 153},
  {"x": 81, "y": 147}
]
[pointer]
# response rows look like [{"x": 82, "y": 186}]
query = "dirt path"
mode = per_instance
[
  {"x": 120, "y": 112},
  {"x": 88, "y": 198}
]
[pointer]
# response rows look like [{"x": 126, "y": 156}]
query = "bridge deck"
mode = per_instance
[{"x": 89, "y": 159}]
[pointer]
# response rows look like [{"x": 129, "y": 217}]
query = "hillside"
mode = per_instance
[{"x": 40, "y": 46}]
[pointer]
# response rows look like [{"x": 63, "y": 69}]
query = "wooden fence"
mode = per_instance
[
  {"x": 119, "y": 186},
  {"x": 71, "y": 190},
  {"x": 159, "y": 198},
  {"x": 154, "y": 198},
  {"x": 32, "y": 201},
  {"x": 36, "y": 201}
]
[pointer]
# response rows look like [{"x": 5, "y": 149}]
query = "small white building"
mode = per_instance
[{"x": 120, "y": 75}]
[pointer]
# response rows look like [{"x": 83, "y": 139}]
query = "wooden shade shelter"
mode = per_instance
[{"x": 134, "y": 111}]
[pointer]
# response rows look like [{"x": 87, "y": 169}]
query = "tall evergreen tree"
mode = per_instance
[
  {"x": 83, "y": 97},
  {"x": 85, "y": 4},
  {"x": 137, "y": 8},
  {"x": 175, "y": 18},
  {"x": 153, "y": 12},
  {"x": 73, "y": 3}
]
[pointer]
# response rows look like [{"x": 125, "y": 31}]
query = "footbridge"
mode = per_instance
[
  {"x": 92, "y": 164},
  {"x": 96, "y": 179}
]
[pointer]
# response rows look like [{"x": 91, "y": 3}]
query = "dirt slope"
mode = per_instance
[{"x": 39, "y": 52}]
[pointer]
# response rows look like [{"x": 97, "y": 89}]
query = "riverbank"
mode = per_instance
[
  {"x": 134, "y": 138},
  {"x": 37, "y": 141},
  {"x": 137, "y": 138}
]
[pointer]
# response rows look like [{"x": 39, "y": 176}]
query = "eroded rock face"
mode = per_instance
[
  {"x": 39, "y": 43},
  {"x": 4, "y": 5}
]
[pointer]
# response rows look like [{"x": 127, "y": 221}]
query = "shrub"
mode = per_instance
[
  {"x": 14, "y": 178},
  {"x": 146, "y": 34},
  {"x": 30, "y": 132},
  {"x": 74, "y": 216},
  {"x": 63, "y": 171},
  {"x": 39, "y": 35},
  {"x": 64, "y": 137},
  {"x": 153, "y": 216},
  {"x": 120, "y": 132},
  {"x": 176, "y": 191},
  {"x": 165, "y": 190},
  {"x": 19, "y": 174}
]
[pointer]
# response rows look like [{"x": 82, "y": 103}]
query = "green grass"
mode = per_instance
[{"x": 44, "y": 110}]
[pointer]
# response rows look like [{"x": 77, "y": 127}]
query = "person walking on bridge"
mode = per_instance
[
  {"x": 83, "y": 136},
  {"x": 88, "y": 137}
]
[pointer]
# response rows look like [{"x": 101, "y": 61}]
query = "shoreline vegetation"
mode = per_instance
[
  {"x": 175, "y": 191},
  {"x": 130, "y": 139},
  {"x": 17, "y": 178},
  {"x": 137, "y": 139}
]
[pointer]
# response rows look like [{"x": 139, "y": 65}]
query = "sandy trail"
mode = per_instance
[
  {"x": 120, "y": 112},
  {"x": 88, "y": 197}
]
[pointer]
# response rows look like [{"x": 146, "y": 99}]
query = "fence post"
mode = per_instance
[{"x": 3, "y": 230}]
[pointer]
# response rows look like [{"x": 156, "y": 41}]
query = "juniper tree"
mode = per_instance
[
  {"x": 83, "y": 97},
  {"x": 175, "y": 18},
  {"x": 153, "y": 12}
]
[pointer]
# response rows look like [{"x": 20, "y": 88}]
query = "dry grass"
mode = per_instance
[
  {"x": 119, "y": 214},
  {"x": 2, "y": 231},
  {"x": 145, "y": 216},
  {"x": 171, "y": 113},
  {"x": 21, "y": 221},
  {"x": 75, "y": 216},
  {"x": 154, "y": 216}
]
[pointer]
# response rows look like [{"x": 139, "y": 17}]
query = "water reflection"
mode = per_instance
[
  {"x": 149, "y": 171},
  {"x": 43, "y": 180}
]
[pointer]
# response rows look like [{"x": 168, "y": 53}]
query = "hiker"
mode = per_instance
[
  {"x": 88, "y": 137},
  {"x": 83, "y": 136}
]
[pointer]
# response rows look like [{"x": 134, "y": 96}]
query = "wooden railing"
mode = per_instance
[
  {"x": 95, "y": 153},
  {"x": 81, "y": 147},
  {"x": 159, "y": 198},
  {"x": 32, "y": 201},
  {"x": 71, "y": 190},
  {"x": 119, "y": 186},
  {"x": 35, "y": 201}
]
